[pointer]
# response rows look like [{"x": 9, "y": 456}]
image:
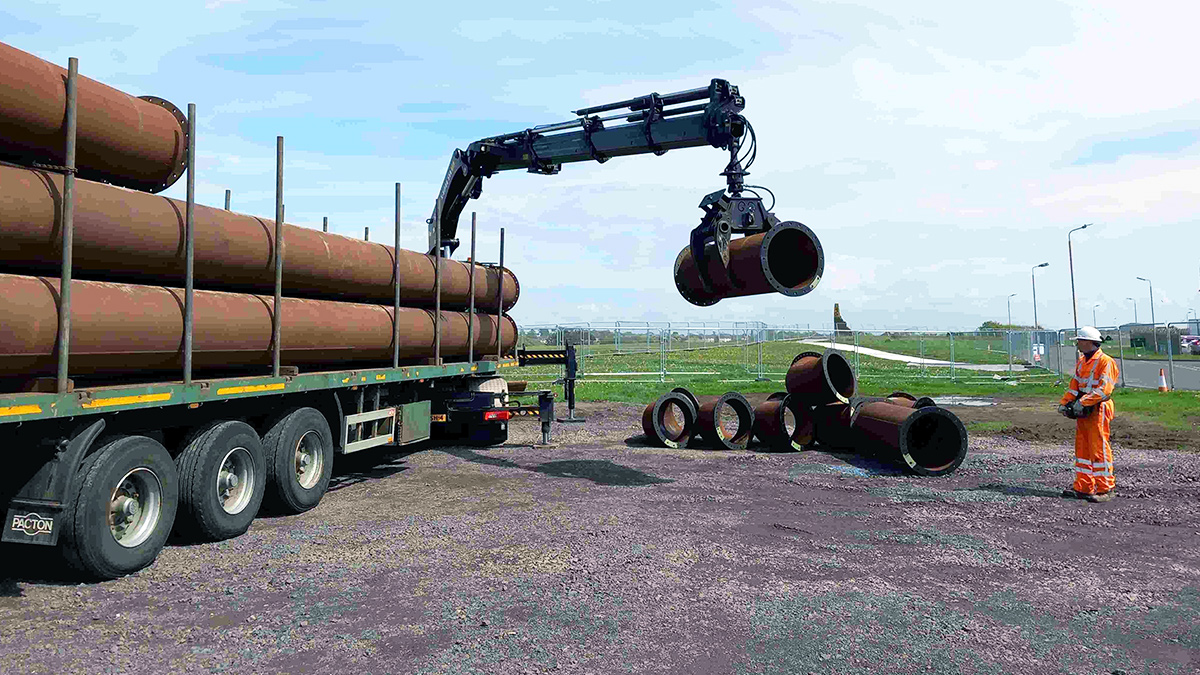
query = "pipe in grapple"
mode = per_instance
[
  {"x": 786, "y": 259},
  {"x": 122, "y": 329},
  {"x": 138, "y": 143},
  {"x": 128, "y": 236}
]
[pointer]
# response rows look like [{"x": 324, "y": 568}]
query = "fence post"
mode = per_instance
[
  {"x": 856, "y": 365},
  {"x": 1008, "y": 334},
  {"x": 952, "y": 369},
  {"x": 1170, "y": 361},
  {"x": 923, "y": 374},
  {"x": 1121, "y": 349},
  {"x": 662, "y": 358}
]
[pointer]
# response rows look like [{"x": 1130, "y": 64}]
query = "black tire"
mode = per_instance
[
  {"x": 212, "y": 509},
  {"x": 286, "y": 493},
  {"x": 133, "y": 466}
]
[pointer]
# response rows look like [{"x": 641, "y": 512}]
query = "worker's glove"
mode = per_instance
[
  {"x": 1062, "y": 410},
  {"x": 1078, "y": 409}
]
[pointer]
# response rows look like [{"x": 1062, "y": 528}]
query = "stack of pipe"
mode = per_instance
[
  {"x": 912, "y": 432},
  {"x": 727, "y": 422},
  {"x": 128, "y": 253}
]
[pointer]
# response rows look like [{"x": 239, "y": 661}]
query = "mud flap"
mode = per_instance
[{"x": 33, "y": 515}]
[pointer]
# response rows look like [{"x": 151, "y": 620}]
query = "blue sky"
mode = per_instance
[{"x": 939, "y": 149}]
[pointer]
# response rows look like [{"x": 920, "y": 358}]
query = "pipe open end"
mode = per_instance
[
  {"x": 933, "y": 442},
  {"x": 792, "y": 258},
  {"x": 733, "y": 419},
  {"x": 838, "y": 375},
  {"x": 670, "y": 420}
]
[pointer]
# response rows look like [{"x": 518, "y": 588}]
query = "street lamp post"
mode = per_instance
[
  {"x": 1134, "y": 309},
  {"x": 1033, "y": 282},
  {"x": 1009, "y": 331},
  {"x": 1153, "y": 322},
  {"x": 1094, "y": 314},
  {"x": 1071, "y": 263}
]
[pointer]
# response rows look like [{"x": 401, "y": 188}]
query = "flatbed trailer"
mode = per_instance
[{"x": 106, "y": 473}]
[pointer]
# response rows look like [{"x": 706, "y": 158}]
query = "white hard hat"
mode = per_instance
[{"x": 1089, "y": 333}]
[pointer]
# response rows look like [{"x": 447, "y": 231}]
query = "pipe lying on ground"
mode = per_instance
[
  {"x": 726, "y": 422},
  {"x": 928, "y": 441},
  {"x": 782, "y": 426},
  {"x": 128, "y": 236},
  {"x": 907, "y": 400},
  {"x": 819, "y": 378},
  {"x": 669, "y": 421},
  {"x": 139, "y": 143},
  {"x": 124, "y": 329},
  {"x": 786, "y": 259},
  {"x": 831, "y": 425}
]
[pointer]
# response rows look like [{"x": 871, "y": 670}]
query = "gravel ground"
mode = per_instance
[{"x": 599, "y": 554}]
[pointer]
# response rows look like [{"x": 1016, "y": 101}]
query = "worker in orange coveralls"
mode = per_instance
[{"x": 1088, "y": 401}]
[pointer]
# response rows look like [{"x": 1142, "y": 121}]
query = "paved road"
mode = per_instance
[
  {"x": 892, "y": 356},
  {"x": 1139, "y": 373}
]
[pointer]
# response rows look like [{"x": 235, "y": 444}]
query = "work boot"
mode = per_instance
[
  {"x": 1070, "y": 493},
  {"x": 1100, "y": 498}
]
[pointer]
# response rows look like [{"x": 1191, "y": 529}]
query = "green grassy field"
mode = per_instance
[
  {"x": 733, "y": 368},
  {"x": 967, "y": 348}
]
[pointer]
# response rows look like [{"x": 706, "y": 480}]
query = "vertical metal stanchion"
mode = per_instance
[
  {"x": 276, "y": 320},
  {"x": 325, "y": 224},
  {"x": 856, "y": 366},
  {"x": 68, "y": 231},
  {"x": 471, "y": 304},
  {"x": 437, "y": 292},
  {"x": 922, "y": 338},
  {"x": 952, "y": 369},
  {"x": 500, "y": 304},
  {"x": 395, "y": 283},
  {"x": 1170, "y": 360},
  {"x": 367, "y": 233},
  {"x": 189, "y": 248},
  {"x": 1121, "y": 348},
  {"x": 1008, "y": 334},
  {"x": 228, "y": 193}
]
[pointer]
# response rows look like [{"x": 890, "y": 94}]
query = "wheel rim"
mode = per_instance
[
  {"x": 135, "y": 507},
  {"x": 236, "y": 480},
  {"x": 310, "y": 460}
]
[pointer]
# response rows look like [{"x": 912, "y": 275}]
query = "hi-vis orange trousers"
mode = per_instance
[{"x": 1093, "y": 451}]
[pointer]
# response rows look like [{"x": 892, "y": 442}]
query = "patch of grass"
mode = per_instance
[
  {"x": 966, "y": 348},
  {"x": 989, "y": 427}
]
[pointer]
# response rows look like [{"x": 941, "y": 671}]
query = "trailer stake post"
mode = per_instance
[
  {"x": 189, "y": 286},
  {"x": 500, "y": 305},
  {"x": 395, "y": 285},
  {"x": 277, "y": 324},
  {"x": 325, "y": 224},
  {"x": 437, "y": 301},
  {"x": 228, "y": 193},
  {"x": 68, "y": 231},
  {"x": 471, "y": 292},
  {"x": 367, "y": 233}
]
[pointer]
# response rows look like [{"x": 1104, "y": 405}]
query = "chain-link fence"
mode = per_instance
[{"x": 733, "y": 351}]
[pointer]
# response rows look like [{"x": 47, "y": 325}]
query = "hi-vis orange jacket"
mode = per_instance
[{"x": 1095, "y": 378}]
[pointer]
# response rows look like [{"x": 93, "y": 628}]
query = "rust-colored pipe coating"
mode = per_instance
[
  {"x": 819, "y": 378},
  {"x": 713, "y": 421},
  {"x": 832, "y": 425},
  {"x": 125, "y": 329},
  {"x": 670, "y": 420},
  {"x": 928, "y": 441},
  {"x": 128, "y": 236},
  {"x": 139, "y": 143},
  {"x": 781, "y": 425},
  {"x": 786, "y": 259}
]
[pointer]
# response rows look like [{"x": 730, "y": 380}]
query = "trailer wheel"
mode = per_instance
[
  {"x": 121, "y": 516},
  {"x": 222, "y": 476},
  {"x": 299, "y": 453}
]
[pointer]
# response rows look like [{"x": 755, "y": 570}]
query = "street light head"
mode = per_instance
[
  {"x": 1044, "y": 265},
  {"x": 1086, "y": 226},
  {"x": 1142, "y": 279},
  {"x": 1012, "y": 295}
]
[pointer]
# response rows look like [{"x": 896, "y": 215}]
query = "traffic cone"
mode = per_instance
[{"x": 1162, "y": 380}]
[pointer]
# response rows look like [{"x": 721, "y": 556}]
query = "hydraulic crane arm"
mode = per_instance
[{"x": 650, "y": 124}]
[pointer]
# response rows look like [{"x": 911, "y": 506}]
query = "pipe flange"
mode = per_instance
[
  {"x": 699, "y": 302},
  {"x": 516, "y": 285},
  {"x": 766, "y": 247},
  {"x": 183, "y": 126}
]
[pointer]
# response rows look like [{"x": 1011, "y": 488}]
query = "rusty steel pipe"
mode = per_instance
[
  {"x": 669, "y": 421},
  {"x": 831, "y": 423},
  {"x": 127, "y": 236},
  {"x": 927, "y": 441},
  {"x": 138, "y": 143},
  {"x": 819, "y": 378},
  {"x": 908, "y": 400},
  {"x": 725, "y": 422},
  {"x": 123, "y": 329},
  {"x": 782, "y": 426},
  {"x": 786, "y": 259}
]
